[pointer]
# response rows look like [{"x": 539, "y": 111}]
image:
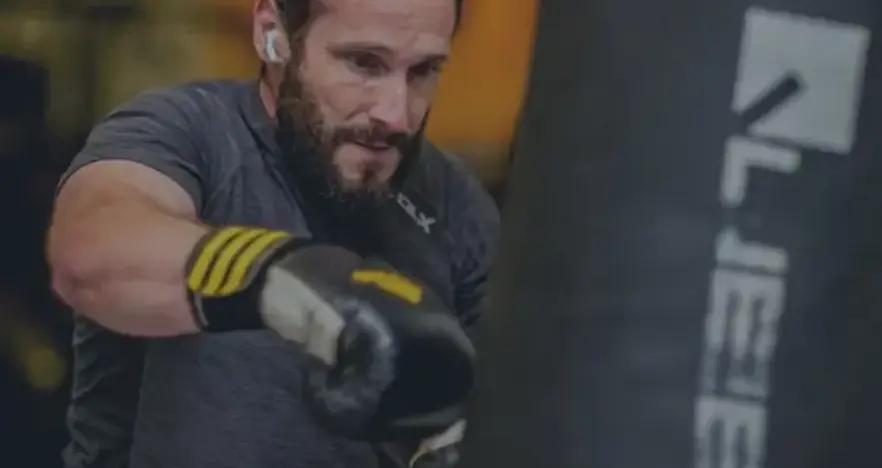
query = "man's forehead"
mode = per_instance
[{"x": 418, "y": 25}]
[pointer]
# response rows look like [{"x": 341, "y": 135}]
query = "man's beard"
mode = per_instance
[{"x": 312, "y": 142}]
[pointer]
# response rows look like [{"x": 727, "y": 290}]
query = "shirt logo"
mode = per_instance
[{"x": 423, "y": 220}]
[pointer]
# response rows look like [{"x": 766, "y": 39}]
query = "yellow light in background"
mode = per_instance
[
  {"x": 44, "y": 369},
  {"x": 483, "y": 85},
  {"x": 229, "y": 50},
  {"x": 30, "y": 348}
]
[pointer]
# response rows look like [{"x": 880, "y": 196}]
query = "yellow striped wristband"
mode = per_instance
[{"x": 224, "y": 273}]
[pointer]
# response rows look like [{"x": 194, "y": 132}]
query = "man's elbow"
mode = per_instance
[{"x": 73, "y": 268}]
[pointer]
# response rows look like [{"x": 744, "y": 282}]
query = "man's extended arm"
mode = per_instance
[
  {"x": 125, "y": 218},
  {"x": 120, "y": 238}
]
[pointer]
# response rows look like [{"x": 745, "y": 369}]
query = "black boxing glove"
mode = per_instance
[
  {"x": 433, "y": 364},
  {"x": 391, "y": 361}
]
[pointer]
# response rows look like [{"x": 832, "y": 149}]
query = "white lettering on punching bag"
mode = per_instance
[{"x": 798, "y": 86}]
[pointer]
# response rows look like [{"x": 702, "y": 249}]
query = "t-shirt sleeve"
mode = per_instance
[
  {"x": 158, "y": 129},
  {"x": 477, "y": 230}
]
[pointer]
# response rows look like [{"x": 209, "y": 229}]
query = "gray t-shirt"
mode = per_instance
[{"x": 233, "y": 400}]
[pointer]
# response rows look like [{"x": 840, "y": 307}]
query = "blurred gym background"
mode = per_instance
[{"x": 65, "y": 63}]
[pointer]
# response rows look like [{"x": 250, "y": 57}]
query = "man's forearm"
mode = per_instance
[{"x": 124, "y": 268}]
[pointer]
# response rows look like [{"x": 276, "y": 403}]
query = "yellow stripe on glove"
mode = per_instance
[{"x": 392, "y": 283}]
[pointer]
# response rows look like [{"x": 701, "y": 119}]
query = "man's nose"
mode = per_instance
[{"x": 392, "y": 105}]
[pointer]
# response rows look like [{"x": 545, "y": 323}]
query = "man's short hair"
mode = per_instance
[{"x": 297, "y": 13}]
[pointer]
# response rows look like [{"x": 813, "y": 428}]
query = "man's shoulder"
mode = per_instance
[
  {"x": 446, "y": 179},
  {"x": 196, "y": 98},
  {"x": 448, "y": 176},
  {"x": 183, "y": 131}
]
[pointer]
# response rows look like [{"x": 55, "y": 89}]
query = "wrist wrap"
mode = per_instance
[{"x": 224, "y": 274}]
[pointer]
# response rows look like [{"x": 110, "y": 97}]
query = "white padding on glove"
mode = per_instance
[{"x": 298, "y": 313}]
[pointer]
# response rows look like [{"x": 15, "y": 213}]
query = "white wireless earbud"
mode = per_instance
[{"x": 272, "y": 54}]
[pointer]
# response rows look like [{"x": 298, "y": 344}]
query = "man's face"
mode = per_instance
[{"x": 361, "y": 82}]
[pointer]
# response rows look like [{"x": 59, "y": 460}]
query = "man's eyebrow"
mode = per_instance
[{"x": 380, "y": 49}]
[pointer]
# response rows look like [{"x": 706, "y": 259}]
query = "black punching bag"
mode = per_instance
[{"x": 691, "y": 269}]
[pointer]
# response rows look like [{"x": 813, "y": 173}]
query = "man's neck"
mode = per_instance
[{"x": 269, "y": 93}]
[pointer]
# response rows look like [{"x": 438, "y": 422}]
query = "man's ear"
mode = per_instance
[{"x": 270, "y": 40}]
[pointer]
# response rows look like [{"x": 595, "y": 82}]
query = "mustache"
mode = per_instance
[{"x": 372, "y": 136}]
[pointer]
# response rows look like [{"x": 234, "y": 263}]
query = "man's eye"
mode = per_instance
[
  {"x": 424, "y": 70},
  {"x": 367, "y": 63}
]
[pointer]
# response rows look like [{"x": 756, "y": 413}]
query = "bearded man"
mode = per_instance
[{"x": 221, "y": 240}]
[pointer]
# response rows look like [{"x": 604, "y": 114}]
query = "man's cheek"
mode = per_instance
[{"x": 341, "y": 101}]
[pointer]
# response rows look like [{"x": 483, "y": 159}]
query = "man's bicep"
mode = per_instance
[
  {"x": 154, "y": 131},
  {"x": 122, "y": 181}
]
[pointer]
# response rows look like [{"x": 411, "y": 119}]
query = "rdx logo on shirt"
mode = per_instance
[{"x": 419, "y": 216}]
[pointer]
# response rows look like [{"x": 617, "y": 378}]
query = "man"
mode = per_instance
[{"x": 327, "y": 146}]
